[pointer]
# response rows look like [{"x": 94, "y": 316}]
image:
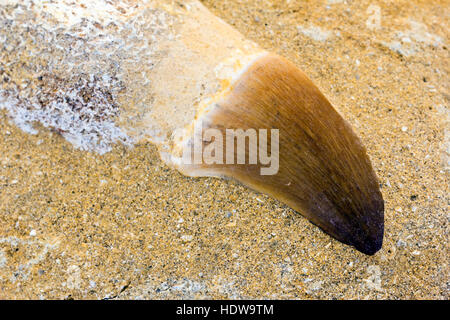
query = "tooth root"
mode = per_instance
[{"x": 324, "y": 171}]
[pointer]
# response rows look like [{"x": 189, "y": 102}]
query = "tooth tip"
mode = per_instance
[
  {"x": 371, "y": 247},
  {"x": 373, "y": 240}
]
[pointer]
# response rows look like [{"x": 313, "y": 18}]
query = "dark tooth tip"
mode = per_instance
[
  {"x": 372, "y": 242},
  {"x": 370, "y": 247}
]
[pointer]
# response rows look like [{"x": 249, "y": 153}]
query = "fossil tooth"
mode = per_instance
[
  {"x": 324, "y": 171},
  {"x": 101, "y": 72}
]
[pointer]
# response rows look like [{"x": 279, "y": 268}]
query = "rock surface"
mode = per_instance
[{"x": 74, "y": 224}]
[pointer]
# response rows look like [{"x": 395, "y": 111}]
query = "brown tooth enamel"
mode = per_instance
[
  {"x": 324, "y": 171},
  {"x": 153, "y": 69}
]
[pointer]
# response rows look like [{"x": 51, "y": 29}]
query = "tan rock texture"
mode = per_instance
[{"x": 76, "y": 224}]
